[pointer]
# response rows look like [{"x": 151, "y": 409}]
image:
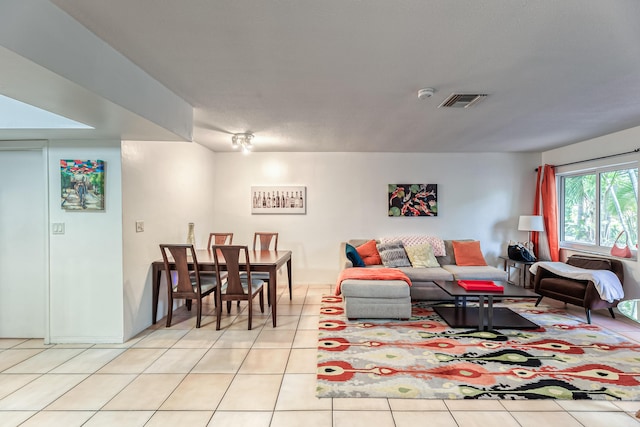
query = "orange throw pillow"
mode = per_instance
[
  {"x": 468, "y": 253},
  {"x": 369, "y": 253}
]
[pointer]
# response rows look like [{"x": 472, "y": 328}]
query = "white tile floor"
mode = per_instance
[{"x": 235, "y": 377}]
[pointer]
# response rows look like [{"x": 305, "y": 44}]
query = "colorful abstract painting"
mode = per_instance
[
  {"x": 82, "y": 184},
  {"x": 413, "y": 199}
]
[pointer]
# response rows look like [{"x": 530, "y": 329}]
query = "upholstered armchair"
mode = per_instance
[{"x": 582, "y": 293}]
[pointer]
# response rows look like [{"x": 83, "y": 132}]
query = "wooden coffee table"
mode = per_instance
[{"x": 489, "y": 317}]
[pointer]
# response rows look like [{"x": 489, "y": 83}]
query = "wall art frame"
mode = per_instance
[
  {"x": 82, "y": 185},
  {"x": 279, "y": 199},
  {"x": 413, "y": 200}
]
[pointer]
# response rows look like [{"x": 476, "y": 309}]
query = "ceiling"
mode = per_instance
[{"x": 343, "y": 75}]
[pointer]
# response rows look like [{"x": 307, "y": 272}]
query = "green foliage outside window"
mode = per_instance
[{"x": 599, "y": 205}]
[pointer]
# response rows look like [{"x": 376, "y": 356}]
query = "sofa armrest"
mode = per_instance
[{"x": 344, "y": 261}]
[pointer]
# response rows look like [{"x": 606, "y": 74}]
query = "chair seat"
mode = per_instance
[
  {"x": 207, "y": 284},
  {"x": 255, "y": 284}
]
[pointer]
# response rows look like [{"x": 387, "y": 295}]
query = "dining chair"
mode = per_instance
[
  {"x": 235, "y": 287},
  {"x": 187, "y": 283},
  {"x": 219, "y": 239},
  {"x": 265, "y": 239}
]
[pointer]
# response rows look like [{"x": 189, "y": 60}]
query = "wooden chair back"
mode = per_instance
[
  {"x": 219, "y": 239},
  {"x": 182, "y": 286},
  {"x": 232, "y": 256},
  {"x": 265, "y": 239}
]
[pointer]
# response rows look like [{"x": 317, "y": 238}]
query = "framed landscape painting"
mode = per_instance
[
  {"x": 413, "y": 200},
  {"x": 82, "y": 185},
  {"x": 279, "y": 200}
]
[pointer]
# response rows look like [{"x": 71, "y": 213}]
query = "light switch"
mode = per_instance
[
  {"x": 57, "y": 228},
  {"x": 139, "y": 226}
]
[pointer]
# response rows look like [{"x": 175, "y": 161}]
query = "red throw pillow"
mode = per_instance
[
  {"x": 468, "y": 253},
  {"x": 369, "y": 253}
]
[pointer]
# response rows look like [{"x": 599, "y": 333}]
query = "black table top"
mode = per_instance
[{"x": 509, "y": 290}]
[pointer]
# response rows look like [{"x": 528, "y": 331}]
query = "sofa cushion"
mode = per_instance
[
  {"x": 421, "y": 256},
  {"x": 393, "y": 254},
  {"x": 468, "y": 253},
  {"x": 426, "y": 274},
  {"x": 353, "y": 256},
  {"x": 369, "y": 253},
  {"x": 375, "y": 288},
  {"x": 485, "y": 272},
  {"x": 449, "y": 258}
]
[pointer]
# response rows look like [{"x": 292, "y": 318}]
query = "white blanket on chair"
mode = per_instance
[{"x": 605, "y": 281}]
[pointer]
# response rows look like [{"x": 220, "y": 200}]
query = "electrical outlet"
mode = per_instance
[
  {"x": 57, "y": 228},
  {"x": 139, "y": 226}
]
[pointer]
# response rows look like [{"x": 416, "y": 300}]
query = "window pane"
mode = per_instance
[
  {"x": 618, "y": 205},
  {"x": 579, "y": 209}
]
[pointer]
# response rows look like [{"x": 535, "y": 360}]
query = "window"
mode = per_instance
[{"x": 596, "y": 205}]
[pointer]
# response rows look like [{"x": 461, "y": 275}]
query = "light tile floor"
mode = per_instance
[{"x": 234, "y": 377}]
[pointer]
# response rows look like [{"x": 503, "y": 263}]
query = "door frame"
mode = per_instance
[{"x": 43, "y": 147}]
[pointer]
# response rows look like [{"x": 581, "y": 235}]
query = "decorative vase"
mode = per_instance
[{"x": 191, "y": 236}]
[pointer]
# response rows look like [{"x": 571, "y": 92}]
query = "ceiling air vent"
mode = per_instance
[{"x": 463, "y": 100}]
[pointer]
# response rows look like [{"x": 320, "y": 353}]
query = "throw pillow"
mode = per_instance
[
  {"x": 369, "y": 253},
  {"x": 468, "y": 253},
  {"x": 421, "y": 256},
  {"x": 393, "y": 254},
  {"x": 353, "y": 256}
]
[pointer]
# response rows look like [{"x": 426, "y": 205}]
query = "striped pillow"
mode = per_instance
[{"x": 393, "y": 254}]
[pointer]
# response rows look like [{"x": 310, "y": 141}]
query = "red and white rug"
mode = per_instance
[{"x": 424, "y": 358}]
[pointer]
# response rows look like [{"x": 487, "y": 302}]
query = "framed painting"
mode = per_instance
[
  {"x": 82, "y": 185},
  {"x": 413, "y": 200},
  {"x": 279, "y": 200}
]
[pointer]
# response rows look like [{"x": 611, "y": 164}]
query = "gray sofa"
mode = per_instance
[{"x": 422, "y": 286}]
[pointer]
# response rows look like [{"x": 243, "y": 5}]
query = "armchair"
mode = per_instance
[{"x": 582, "y": 293}]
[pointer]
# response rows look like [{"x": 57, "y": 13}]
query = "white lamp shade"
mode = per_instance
[{"x": 530, "y": 223}]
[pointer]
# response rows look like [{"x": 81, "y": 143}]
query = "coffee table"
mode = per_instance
[{"x": 461, "y": 316}]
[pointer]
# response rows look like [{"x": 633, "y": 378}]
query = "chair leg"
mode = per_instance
[
  {"x": 218, "y": 315},
  {"x": 188, "y": 305},
  {"x": 262, "y": 300},
  {"x": 169, "y": 311},
  {"x": 228, "y": 307},
  {"x": 269, "y": 295},
  {"x": 198, "y": 312},
  {"x": 539, "y": 299},
  {"x": 612, "y": 313},
  {"x": 250, "y": 308},
  {"x": 588, "y": 312}
]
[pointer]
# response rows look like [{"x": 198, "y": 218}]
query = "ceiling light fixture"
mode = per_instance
[{"x": 242, "y": 140}]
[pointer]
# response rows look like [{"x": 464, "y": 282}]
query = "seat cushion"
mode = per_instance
[
  {"x": 480, "y": 272},
  {"x": 561, "y": 286},
  {"x": 427, "y": 274},
  {"x": 375, "y": 288}
]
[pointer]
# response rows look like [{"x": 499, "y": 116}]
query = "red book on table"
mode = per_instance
[{"x": 480, "y": 285}]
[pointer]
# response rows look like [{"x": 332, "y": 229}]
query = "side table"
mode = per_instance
[{"x": 524, "y": 276}]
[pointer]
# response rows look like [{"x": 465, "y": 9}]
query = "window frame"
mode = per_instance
[{"x": 597, "y": 170}]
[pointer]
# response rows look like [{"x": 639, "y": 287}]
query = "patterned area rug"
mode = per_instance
[{"x": 424, "y": 358}]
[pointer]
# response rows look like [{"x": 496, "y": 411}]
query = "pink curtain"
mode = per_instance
[{"x": 546, "y": 204}]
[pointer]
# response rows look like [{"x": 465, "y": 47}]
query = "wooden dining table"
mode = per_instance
[{"x": 269, "y": 261}]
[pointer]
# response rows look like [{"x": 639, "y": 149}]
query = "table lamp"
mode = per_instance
[{"x": 530, "y": 223}]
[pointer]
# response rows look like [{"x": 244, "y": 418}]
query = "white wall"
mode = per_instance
[
  {"x": 86, "y": 262},
  {"x": 166, "y": 185},
  {"x": 615, "y": 143},
  {"x": 480, "y": 196}
]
